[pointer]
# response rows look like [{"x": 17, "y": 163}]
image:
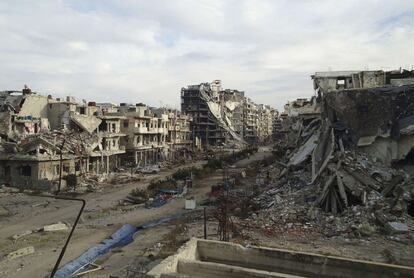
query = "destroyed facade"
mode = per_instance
[
  {"x": 224, "y": 117},
  {"x": 44, "y": 140}
]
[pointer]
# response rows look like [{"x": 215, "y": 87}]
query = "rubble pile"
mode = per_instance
[
  {"x": 331, "y": 185},
  {"x": 353, "y": 197}
]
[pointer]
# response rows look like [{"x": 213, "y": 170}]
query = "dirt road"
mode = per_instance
[{"x": 102, "y": 216}]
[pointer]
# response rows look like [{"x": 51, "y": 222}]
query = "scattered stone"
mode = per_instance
[
  {"x": 366, "y": 229},
  {"x": 21, "y": 252}
]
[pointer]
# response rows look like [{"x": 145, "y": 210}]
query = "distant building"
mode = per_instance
[{"x": 225, "y": 117}]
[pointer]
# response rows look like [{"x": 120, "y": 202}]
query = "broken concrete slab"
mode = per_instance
[
  {"x": 21, "y": 252},
  {"x": 396, "y": 228},
  {"x": 87, "y": 123},
  {"x": 304, "y": 151},
  {"x": 22, "y": 234},
  {"x": 55, "y": 227}
]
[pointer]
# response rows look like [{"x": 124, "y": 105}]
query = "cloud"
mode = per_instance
[{"x": 145, "y": 51}]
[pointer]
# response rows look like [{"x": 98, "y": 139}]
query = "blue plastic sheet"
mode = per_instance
[
  {"x": 158, "y": 202},
  {"x": 121, "y": 237}
]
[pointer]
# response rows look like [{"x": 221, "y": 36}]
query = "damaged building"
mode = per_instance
[
  {"x": 22, "y": 113},
  {"x": 374, "y": 112},
  {"x": 180, "y": 139},
  {"x": 41, "y": 160},
  {"x": 146, "y": 134},
  {"x": 225, "y": 117},
  {"x": 355, "y": 152}
]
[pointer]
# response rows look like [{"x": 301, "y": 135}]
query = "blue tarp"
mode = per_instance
[
  {"x": 121, "y": 237},
  {"x": 158, "y": 202},
  {"x": 170, "y": 191}
]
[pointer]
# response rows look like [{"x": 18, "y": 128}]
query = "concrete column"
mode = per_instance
[
  {"x": 87, "y": 164},
  {"x": 107, "y": 164},
  {"x": 136, "y": 157}
]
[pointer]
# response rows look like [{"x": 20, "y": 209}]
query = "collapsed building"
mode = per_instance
[
  {"x": 353, "y": 159},
  {"x": 225, "y": 117},
  {"x": 22, "y": 113},
  {"x": 374, "y": 111},
  {"x": 43, "y": 140}
]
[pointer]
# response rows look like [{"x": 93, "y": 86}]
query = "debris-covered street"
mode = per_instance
[{"x": 204, "y": 139}]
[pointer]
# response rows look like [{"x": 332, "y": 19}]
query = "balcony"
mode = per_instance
[
  {"x": 163, "y": 130},
  {"x": 141, "y": 130}
]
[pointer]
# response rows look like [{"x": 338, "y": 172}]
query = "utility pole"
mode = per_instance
[{"x": 61, "y": 164}]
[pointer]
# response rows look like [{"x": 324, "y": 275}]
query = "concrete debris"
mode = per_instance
[
  {"x": 304, "y": 151},
  {"x": 55, "y": 227},
  {"x": 328, "y": 181},
  {"x": 89, "y": 124},
  {"x": 190, "y": 203},
  {"x": 22, "y": 234},
  {"x": 21, "y": 252},
  {"x": 397, "y": 227}
]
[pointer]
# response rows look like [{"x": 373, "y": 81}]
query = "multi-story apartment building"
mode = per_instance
[
  {"x": 180, "y": 139},
  {"x": 251, "y": 121},
  {"x": 146, "y": 133},
  {"x": 266, "y": 116}
]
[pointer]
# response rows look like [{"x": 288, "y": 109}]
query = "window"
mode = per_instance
[
  {"x": 77, "y": 166},
  {"x": 126, "y": 124},
  {"x": 57, "y": 169},
  {"x": 26, "y": 171},
  {"x": 65, "y": 168}
]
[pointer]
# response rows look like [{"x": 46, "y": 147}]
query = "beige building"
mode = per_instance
[
  {"x": 179, "y": 134},
  {"x": 146, "y": 134}
]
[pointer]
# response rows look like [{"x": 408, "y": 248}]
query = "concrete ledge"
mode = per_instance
[
  {"x": 169, "y": 266},
  {"x": 297, "y": 263},
  {"x": 207, "y": 258},
  {"x": 213, "y": 270}
]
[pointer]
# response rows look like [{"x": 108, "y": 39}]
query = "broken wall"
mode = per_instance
[
  {"x": 35, "y": 106},
  {"x": 33, "y": 174},
  {"x": 371, "y": 112}
]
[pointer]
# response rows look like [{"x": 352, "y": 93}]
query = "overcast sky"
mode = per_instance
[{"x": 145, "y": 51}]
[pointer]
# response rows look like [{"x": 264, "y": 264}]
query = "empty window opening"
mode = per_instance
[{"x": 26, "y": 171}]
